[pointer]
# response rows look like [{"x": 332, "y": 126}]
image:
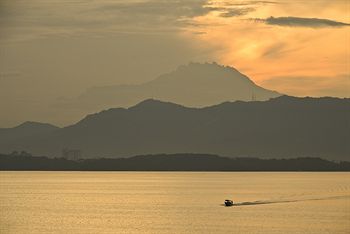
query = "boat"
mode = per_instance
[{"x": 228, "y": 203}]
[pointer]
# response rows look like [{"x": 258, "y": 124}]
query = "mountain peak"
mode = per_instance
[
  {"x": 154, "y": 103},
  {"x": 204, "y": 74},
  {"x": 212, "y": 65},
  {"x": 33, "y": 124},
  {"x": 26, "y": 129},
  {"x": 191, "y": 85},
  {"x": 206, "y": 64}
]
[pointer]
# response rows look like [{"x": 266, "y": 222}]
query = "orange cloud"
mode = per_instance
[{"x": 336, "y": 86}]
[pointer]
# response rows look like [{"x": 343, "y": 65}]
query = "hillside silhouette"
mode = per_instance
[
  {"x": 282, "y": 127},
  {"x": 174, "y": 162},
  {"x": 26, "y": 129}
]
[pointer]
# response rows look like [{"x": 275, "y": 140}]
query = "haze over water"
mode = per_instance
[{"x": 174, "y": 202}]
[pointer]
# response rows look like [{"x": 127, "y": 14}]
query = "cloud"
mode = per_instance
[
  {"x": 155, "y": 8},
  {"x": 152, "y": 14},
  {"x": 236, "y": 12},
  {"x": 275, "y": 50},
  {"x": 278, "y": 50},
  {"x": 234, "y": 9},
  {"x": 250, "y": 3},
  {"x": 291, "y": 21},
  {"x": 66, "y": 18}
]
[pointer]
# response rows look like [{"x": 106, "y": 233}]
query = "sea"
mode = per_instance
[{"x": 174, "y": 202}]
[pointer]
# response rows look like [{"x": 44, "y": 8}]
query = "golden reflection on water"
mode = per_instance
[{"x": 174, "y": 202}]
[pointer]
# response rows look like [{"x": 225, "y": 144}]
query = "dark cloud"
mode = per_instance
[
  {"x": 234, "y": 9},
  {"x": 158, "y": 7},
  {"x": 291, "y": 21},
  {"x": 174, "y": 11},
  {"x": 154, "y": 13},
  {"x": 250, "y": 3},
  {"x": 232, "y": 12},
  {"x": 67, "y": 18}
]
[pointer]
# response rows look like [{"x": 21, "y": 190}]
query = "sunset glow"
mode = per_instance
[
  {"x": 61, "y": 49},
  {"x": 284, "y": 58}
]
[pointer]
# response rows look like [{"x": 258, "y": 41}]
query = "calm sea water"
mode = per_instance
[{"x": 174, "y": 202}]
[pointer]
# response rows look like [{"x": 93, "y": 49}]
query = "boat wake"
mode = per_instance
[{"x": 264, "y": 202}]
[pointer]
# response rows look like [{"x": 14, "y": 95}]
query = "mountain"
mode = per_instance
[
  {"x": 282, "y": 127},
  {"x": 26, "y": 129},
  {"x": 194, "y": 85}
]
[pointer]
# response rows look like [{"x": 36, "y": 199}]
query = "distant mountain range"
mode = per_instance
[
  {"x": 192, "y": 85},
  {"x": 281, "y": 127},
  {"x": 173, "y": 162}
]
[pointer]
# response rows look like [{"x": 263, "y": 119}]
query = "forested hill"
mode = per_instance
[
  {"x": 173, "y": 162},
  {"x": 283, "y": 127}
]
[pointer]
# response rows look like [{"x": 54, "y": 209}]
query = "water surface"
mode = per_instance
[{"x": 174, "y": 202}]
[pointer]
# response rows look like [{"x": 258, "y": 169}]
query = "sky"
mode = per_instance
[{"x": 57, "y": 49}]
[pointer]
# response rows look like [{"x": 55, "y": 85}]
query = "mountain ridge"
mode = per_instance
[
  {"x": 282, "y": 127},
  {"x": 26, "y": 129},
  {"x": 171, "y": 162}
]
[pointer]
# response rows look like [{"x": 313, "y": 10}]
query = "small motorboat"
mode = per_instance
[{"x": 228, "y": 203}]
